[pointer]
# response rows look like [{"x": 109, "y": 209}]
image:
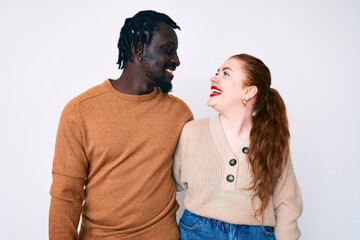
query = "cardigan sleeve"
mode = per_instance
[
  {"x": 68, "y": 173},
  {"x": 288, "y": 205},
  {"x": 181, "y": 185}
]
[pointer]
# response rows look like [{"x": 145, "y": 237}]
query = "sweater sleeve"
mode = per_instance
[
  {"x": 177, "y": 164},
  {"x": 288, "y": 205},
  {"x": 68, "y": 173}
]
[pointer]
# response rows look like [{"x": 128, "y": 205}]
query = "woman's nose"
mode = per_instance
[{"x": 213, "y": 79}]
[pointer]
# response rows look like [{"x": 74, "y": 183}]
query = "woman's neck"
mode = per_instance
[{"x": 236, "y": 128}]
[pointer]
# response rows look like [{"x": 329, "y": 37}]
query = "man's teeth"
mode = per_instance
[{"x": 168, "y": 70}]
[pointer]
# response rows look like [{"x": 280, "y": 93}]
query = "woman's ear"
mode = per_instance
[{"x": 250, "y": 92}]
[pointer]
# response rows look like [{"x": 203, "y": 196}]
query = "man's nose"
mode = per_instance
[{"x": 175, "y": 59}]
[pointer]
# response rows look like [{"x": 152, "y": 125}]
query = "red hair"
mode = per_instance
[{"x": 269, "y": 136}]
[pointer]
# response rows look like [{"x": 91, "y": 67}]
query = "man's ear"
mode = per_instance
[
  {"x": 136, "y": 51},
  {"x": 250, "y": 92}
]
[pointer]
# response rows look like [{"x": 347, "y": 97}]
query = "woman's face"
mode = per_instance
[{"x": 228, "y": 86}]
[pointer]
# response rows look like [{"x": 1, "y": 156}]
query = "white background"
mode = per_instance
[{"x": 51, "y": 51}]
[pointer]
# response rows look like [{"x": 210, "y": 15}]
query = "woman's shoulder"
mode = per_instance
[
  {"x": 197, "y": 126},
  {"x": 197, "y": 123}
]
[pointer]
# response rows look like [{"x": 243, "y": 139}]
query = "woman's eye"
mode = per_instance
[
  {"x": 216, "y": 74},
  {"x": 226, "y": 74}
]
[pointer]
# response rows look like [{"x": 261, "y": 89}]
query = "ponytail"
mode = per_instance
[
  {"x": 269, "y": 146},
  {"x": 269, "y": 136}
]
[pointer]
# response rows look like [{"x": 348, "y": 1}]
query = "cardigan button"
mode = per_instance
[
  {"x": 245, "y": 150},
  {"x": 232, "y": 162},
  {"x": 230, "y": 178}
]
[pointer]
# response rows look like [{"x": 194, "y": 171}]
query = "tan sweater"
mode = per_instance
[
  {"x": 201, "y": 165},
  {"x": 112, "y": 165}
]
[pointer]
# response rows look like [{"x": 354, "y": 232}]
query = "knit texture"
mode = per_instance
[
  {"x": 112, "y": 165},
  {"x": 202, "y": 165}
]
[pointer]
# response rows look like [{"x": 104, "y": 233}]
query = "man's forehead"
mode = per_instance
[{"x": 165, "y": 32}]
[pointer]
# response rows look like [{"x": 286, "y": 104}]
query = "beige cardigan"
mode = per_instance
[{"x": 202, "y": 166}]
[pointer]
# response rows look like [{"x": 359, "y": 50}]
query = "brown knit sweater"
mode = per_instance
[{"x": 112, "y": 165}]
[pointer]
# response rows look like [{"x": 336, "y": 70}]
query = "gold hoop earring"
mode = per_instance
[{"x": 244, "y": 101}]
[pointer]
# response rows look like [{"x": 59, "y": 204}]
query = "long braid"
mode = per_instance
[{"x": 137, "y": 30}]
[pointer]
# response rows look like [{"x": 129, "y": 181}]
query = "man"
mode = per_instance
[{"x": 115, "y": 142}]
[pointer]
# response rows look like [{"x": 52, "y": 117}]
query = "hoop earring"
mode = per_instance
[{"x": 244, "y": 101}]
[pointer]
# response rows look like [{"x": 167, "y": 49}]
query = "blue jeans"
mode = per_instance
[{"x": 195, "y": 227}]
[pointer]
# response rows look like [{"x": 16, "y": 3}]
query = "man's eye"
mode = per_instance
[{"x": 169, "y": 51}]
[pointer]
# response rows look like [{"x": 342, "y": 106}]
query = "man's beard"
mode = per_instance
[{"x": 164, "y": 86}]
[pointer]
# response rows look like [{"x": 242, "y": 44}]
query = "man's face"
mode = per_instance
[{"x": 160, "y": 57}]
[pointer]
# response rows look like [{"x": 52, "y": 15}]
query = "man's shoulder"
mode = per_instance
[
  {"x": 73, "y": 106},
  {"x": 178, "y": 101},
  {"x": 90, "y": 93},
  {"x": 175, "y": 99}
]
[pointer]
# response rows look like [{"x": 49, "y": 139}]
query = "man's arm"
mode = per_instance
[
  {"x": 69, "y": 173},
  {"x": 65, "y": 211}
]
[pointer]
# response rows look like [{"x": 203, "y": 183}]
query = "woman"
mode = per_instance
[{"x": 236, "y": 166}]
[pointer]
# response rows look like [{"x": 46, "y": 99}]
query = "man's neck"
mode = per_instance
[{"x": 132, "y": 84}]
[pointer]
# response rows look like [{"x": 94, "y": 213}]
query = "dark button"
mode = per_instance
[
  {"x": 230, "y": 178},
  {"x": 232, "y": 162},
  {"x": 245, "y": 150}
]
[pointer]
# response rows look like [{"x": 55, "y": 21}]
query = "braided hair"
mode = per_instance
[{"x": 139, "y": 30}]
